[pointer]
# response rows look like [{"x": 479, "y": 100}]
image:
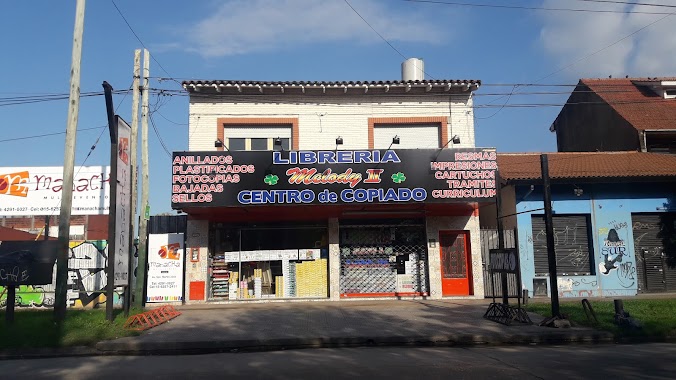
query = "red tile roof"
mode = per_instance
[
  {"x": 637, "y": 104},
  {"x": 526, "y": 166},
  {"x": 10, "y": 234}
]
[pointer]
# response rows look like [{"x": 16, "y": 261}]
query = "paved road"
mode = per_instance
[{"x": 647, "y": 361}]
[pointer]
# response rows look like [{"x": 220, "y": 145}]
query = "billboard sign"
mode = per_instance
[
  {"x": 246, "y": 178},
  {"x": 165, "y": 268},
  {"x": 28, "y": 191},
  {"x": 123, "y": 204},
  {"x": 504, "y": 260}
]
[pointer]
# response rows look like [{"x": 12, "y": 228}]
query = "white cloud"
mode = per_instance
[
  {"x": 569, "y": 36},
  {"x": 241, "y": 27}
]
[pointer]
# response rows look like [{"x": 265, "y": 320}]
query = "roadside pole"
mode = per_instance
[
  {"x": 549, "y": 227},
  {"x": 68, "y": 166},
  {"x": 134, "y": 165},
  {"x": 143, "y": 222}
]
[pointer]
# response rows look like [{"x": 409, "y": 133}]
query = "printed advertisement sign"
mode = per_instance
[
  {"x": 123, "y": 207},
  {"x": 165, "y": 268},
  {"x": 244, "y": 178},
  {"x": 28, "y": 191}
]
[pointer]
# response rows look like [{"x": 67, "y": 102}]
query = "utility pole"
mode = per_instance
[
  {"x": 134, "y": 162},
  {"x": 143, "y": 222},
  {"x": 68, "y": 166},
  {"x": 549, "y": 227}
]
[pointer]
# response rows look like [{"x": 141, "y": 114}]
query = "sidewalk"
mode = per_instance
[{"x": 275, "y": 326}]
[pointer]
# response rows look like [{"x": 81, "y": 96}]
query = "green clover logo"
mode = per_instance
[
  {"x": 398, "y": 177},
  {"x": 271, "y": 179}
]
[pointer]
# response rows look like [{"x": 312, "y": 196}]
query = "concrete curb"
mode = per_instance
[
  {"x": 251, "y": 345},
  {"x": 51, "y": 352},
  {"x": 131, "y": 347}
]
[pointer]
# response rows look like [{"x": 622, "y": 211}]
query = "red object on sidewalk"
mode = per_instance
[{"x": 151, "y": 318}]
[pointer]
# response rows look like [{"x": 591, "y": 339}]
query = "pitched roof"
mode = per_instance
[
  {"x": 579, "y": 165},
  {"x": 11, "y": 234},
  {"x": 635, "y": 102},
  {"x": 226, "y": 87}
]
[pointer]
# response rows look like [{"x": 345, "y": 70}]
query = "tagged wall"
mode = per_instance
[
  {"x": 609, "y": 207},
  {"x": 87, "y": 280}
]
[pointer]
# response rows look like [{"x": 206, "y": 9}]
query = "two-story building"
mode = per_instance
[
  {"x": 619, "y": 114},
  {"x": 332, "y": 189}
]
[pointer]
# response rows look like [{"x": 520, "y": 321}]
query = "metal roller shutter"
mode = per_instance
[
  {"x": 571, "y": 244},
  {"x": 375, "y": 259},
  {"x": 650, "y": 233}
]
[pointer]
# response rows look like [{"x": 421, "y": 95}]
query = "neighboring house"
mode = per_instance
[
  {"x": 614, "y": 221},
  {"x": 619, "y": 115},
  {"x": 12, "y": 234},
  {"x": 318, "y": 190},
  {"x": 82, "y": 227}
]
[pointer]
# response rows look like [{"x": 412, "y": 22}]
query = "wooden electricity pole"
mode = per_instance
[
  {"x": 143, "y": 222},
  {"x": 68, "y": 166},
  {"x": 134, "y": 157}
]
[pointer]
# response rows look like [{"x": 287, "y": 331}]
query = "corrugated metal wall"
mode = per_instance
[{"x": 489, "y": 240}]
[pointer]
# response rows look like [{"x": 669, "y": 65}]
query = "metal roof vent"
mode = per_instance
[{"x": 413, "y": 69}]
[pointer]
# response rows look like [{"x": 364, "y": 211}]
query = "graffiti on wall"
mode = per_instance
[
  {"x": 615, "y": 254},
  {"x": 613, "y": 251},
  {"x": 87, "y": 280},
  {"x": 577, "y": 287}
]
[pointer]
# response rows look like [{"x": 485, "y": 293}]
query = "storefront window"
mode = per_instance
[{"x": 281, "y": 261}]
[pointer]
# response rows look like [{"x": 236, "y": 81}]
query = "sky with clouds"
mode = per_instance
[{"x": 550, "y": 42}]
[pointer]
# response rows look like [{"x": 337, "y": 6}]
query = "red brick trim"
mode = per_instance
[
  {"x": 223, "y": 122},
  {"x": 442, "y": 120}
]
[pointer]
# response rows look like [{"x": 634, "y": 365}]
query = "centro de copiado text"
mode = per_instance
[{"x": 251, "y": 197}]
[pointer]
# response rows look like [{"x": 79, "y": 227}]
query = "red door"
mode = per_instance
[{"x": 456, "y": 266}]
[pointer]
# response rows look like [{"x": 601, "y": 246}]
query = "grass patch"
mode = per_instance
[
  {"x": 36, "y": 328},
  {"x": 657, "y": 316}
]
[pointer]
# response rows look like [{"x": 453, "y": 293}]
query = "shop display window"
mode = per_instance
[{"x": 274, "y": 261}]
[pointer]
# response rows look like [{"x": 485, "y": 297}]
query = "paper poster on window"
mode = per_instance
[{"x": 165, "y": 268}]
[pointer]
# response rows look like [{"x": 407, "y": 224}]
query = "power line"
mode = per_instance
[
  {"x": 139, "y": 38},
  {"x": 630, "y": 3},
  {"x": 379, "y": 35},
  {"x": 519, "y": 7},
  {"x": 47, "y": 134},
  {"x": 159, "y": 137},
  {"x": 599, "y": 50},
  {"x": 19, "y": 100},
  {"x": 374, "y": 30},
  {"x": 171, "y": 121}
]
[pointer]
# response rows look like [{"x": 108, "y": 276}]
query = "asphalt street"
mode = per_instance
[{"x": 639, "y": 361}]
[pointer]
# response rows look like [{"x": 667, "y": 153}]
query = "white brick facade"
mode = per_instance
[
  {"x": 321, "y": 119},
  {"x": 318, "y": 121}
]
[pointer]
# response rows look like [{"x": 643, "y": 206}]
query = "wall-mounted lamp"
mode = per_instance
[
  {"x": 218, "y": 143},
  {"x": 455, "y": 140},
  {"x": 278, "y": 141},
  {"x": 578, "y": 192},
  {"x": 339, "y": 140},
  {"x": 395, "y": 140}
]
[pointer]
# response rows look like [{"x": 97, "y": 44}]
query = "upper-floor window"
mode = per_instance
[
  {"x": 258, "y": 143},
  {"x": 411, "y": 136},
  {"x": 259, "y": 137}
]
